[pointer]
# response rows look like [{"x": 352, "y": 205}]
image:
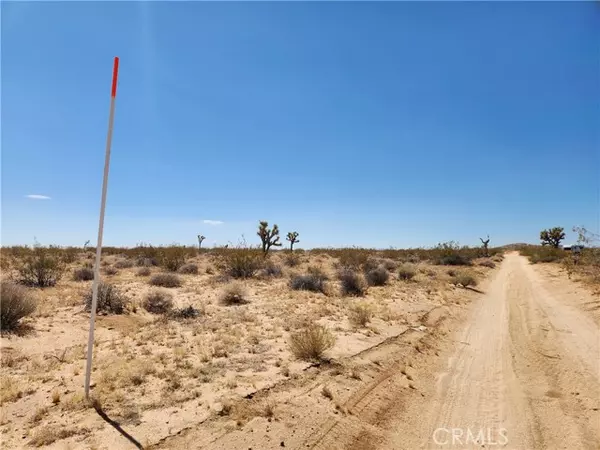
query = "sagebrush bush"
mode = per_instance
[
  {"x": 353, "y": 258},
  {"x": 454, "y": 260},
  {"x": 311, "y": 343},
  {"x": 352, "y": 283},
  {"x": 83, "y": 274},
  {"x": 272, "y": 270},
  {"x": 189, "y": 269},
  {"x": 40, "y": 268},
  {"x": 189, "y": 312},
  {"x": 16, "y": 302},
  {"x": 168, "y": 280},
  {"x": 158, "y": 301},
  {"x": 233, "y": 293},
  {"x": 315, "y": 281},
  {"x": 389, "y": 264},
  {"x": 110, "y": 299},
  {"x": 111, "y": 270},
  {"x": 360, "y": 315},
  {"x": 407, "y": 272},
  {"x": 464, "y": 280},
  {"x": 143, "y": 261},
  {"x": 487, "y": 263},
  {"x": 123, "y": 264},
  {"x": 240, "y": 262},
  {"x": 377, "y": 277},
  {"x": 292, "y": 260},
  {"x": 172, "y": 258},
  {"x": 143, "y": 272}
]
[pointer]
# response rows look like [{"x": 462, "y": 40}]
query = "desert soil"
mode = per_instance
[{"x": 516, "y": 368}]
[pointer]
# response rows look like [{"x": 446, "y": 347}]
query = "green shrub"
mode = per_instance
[
  {"x": 168, "y": 280},
  {"x": 240, "y": 262},
  {"x": 40, "y": 268},
  {"x": 16, "y": 302},
  {"x": 110, "y": 300}
]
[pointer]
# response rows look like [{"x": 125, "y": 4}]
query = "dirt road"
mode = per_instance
[{"x": 524, "y": 373}]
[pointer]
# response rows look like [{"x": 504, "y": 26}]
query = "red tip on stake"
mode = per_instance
[{"x": 115, "y": 76}]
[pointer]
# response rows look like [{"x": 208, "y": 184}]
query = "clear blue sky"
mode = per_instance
[{"x": 370, "y": 124}]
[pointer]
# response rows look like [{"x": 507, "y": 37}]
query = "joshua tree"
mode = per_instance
[
  {"x": 200, "y": 239},
  {"x": 552, "y": 236},
  {"x": 485, "y": 245},
  {"x": 86, "y": 244},
  {"x": 292, "y": 237},
  {"x": 268, "y": 237}
]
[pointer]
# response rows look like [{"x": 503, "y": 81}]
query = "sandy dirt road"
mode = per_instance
[{"x": 524, "y": 373}]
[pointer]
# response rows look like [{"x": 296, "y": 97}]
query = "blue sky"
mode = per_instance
[{"x": 369, "y": 124}]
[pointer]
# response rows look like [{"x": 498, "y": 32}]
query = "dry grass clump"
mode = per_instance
[
  {"x": 272, "y": 270},
  {"x": 167, "y": 280},
  {"x": 158, "y": 301},
  {"x": 233, "y": 294},
  {"x": 360, "y": 315},
  {"x": 352, "y": 283},
  {"x": 378, "y": 276},
  {"x": 463, "y": 279},
  {"x": 51, "y": 433},
  {"x": 189, "y": 269},
  {"x": 389, "y": 264},
  {"x": 110, "y": 300},
  {"x": 144, "y": 271},
  {"x": 407, "y": 272},
  {"x": 16, "y": 302},
  {"x": 315, "y": 281},
  {"x": 9, "y": 390},
  {"x": 353, "y": 258},
  {"x": 83, "y": 274},
  {"x": 311, "y": 343},
  {"x": 292, "y": 260}
]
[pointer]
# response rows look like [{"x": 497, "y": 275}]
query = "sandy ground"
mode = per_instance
[
  {"x": 222, "y": 374},
  {"x": 512, "y": 364},
  {"x": 522, "y": 372}
]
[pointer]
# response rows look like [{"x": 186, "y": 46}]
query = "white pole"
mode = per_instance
[{"x": 88, "y": 366}]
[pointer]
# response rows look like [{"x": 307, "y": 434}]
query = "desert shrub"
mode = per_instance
[
  {"x": 143, "y": 261},
  {"x": 454, "y": 260},
  {"x": 353, "y": 258},
  {"x": 407, "y": 272},
  {"x": 352, "y": 283},
  {"x": 158, "y": 301},
  {"x": 315, "y": 281},
  {"x": 377, "y": 277},
  {"x": 542, "y": 254},
  {"x": 123, "y": 264},
  {"x": 143, "y": 272},
  {"x": 487, "y": 263},
  {"x": 272, "y": 270},
  {"x": 389, "y": 264},
  {"x": 189, "y": 312},
  {"x": 464, "y": 279},
  {"x": 233, "y": 294},
  {"x": 171, "y": 258},
  {"x": 40, "y": 268},
  {"x": 311, "y": 343},
  {"x": 189, "y": 269},
  {"x": 360, "y": 315},
  {"x": 240, "y": 262},
  {"x": 111, "y": 270},
  {"x": 168, "y": 280},
  {"x": 16, "y": 302},
  {"x": 371, "y": 264},
  {"x": 83, "y": 274},
  {"x": 292, "y": 260},
  {"x": 110, "y": 300}
]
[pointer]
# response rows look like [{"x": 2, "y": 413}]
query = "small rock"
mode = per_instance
[{"x": 282, "y": 444}]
